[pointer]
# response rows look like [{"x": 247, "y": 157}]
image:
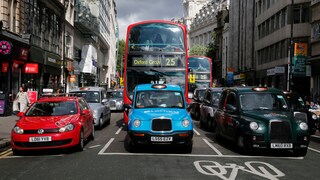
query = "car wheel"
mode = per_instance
[
  {"x": 100, "y": 122},
  {"x": 16, "y": 152},
  {"x": 109, "y": 119},
  {"x": 300, "y": 152},
  {"x": 243, "y": 146},
  {"x": 128, "y": 145},
  {"x": 217, "y": 135},
  {"x": 80, "y": 145},
  {"x": 92, "y": 133},
  {"x": 209, "y": 123}
]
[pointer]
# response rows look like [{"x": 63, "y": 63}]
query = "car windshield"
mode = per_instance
[
  {"x": 52, "y": 108},
  {"x": 89, "y": 96},
  {"x": 115, "y": 94},
  {"x": 263, "y": 101},
  {"x": 159, "y": 99}
]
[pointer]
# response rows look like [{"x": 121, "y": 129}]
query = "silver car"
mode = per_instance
[
  {"x": 97, "y": 99},
  {"x": 115, "y": 97}
]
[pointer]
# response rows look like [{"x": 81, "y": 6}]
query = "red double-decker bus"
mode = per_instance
[
  {"x": 156, "y": 52},
  {"x": 201, "y": 68}
]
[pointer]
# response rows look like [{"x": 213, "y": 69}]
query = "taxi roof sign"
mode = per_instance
[
  {"x": 159, "y": 86},
  {"x": 260, "y": 89}
]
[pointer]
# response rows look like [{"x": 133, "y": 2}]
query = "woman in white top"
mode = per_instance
[{"x": 20, "y": 104}]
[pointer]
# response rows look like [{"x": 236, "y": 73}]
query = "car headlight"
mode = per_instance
[
  {"x": 185, "y": 123},
  {"x": 136, "y": 123},
  {"x": 303, "y": 126},
  {"x": 254, "y": 125},
  {"x": 67, "y": 128},
  {"x": 314, "y": 116},
  {"x": 18, "y": 130}
]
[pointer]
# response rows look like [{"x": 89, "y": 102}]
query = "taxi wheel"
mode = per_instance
[
  {"x": 188, "y": 148},
  {"x": 243, "y": 146},
  {"x": 217, "y": 135},
  {"x": 80, "y": 145},
  {"x": 92, "y": 133},
  {"x": 128, "y": 145},
  {"x": 300, "y": 152}
]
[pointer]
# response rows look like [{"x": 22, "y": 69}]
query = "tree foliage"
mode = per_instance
[
  {"x": 121, "y": 49},
  {"x": 211, "y": 51},
  {"x": 198, "y": 50}
]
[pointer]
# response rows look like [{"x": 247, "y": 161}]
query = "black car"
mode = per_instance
[
  {"x": 209, "y": 107},
  {"x": 260, "y": 118},
  {"x": 297, "y": 104},
  {"x": 194, "y": 107}
]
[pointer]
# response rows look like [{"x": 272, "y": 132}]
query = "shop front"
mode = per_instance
[{"x": 14, "y": 53}]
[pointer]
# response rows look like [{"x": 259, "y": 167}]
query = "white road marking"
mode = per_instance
[
  {"x": 91, "y": 147},
  {"x": 196, "y": 132},
  {"x": 14, "y": 157},
  {"x": 212, "y": 147},
  {"x": 119, "y": 130},
  {"x": 315, "y": 136},
  {"x": 106, "y": 146},
  {"x": 314, "y": 150},
  {"x": 200, "y": 155}
]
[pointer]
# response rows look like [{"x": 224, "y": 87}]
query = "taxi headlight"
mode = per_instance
[
  {"x": 303, "y": 126},
  {"x": 185, "y": 123},
  {"x": 18, "y": 130},
  {"x": 254, "y": 125},
  {"x": 67, "y": 128},
  {"x": 136, "y": 123},
  {"x": 314, "y": 116}
]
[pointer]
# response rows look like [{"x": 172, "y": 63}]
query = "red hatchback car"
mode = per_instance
[{"x": 53, "y": 122}]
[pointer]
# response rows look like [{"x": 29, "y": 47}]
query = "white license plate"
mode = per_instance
[
  {"x": 281, "y": 145},
  {"x": 113, "y": 108},
  {"x": 40, "y": 139},
  {"x": 161, "y": 139}
]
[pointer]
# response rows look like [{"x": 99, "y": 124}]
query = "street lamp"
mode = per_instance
[
  {"x": 289, "y": 84},
  {"x": 65, "y": 5}
]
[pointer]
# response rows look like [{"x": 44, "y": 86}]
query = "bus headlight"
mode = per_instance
[
  {"x": 303, "y": 126},
  {"x": 185, "y": 123},
  {"x": 136, "y": 123},
  {"x": 18, "y": 130},
  {"x": 254, "y": 126}
]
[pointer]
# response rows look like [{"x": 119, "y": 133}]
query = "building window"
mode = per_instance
[{"x": 296, "y": 15}]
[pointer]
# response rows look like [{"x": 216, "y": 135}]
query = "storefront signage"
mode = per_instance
[
  {"x": 276, "y": 70},
  {"x": 72, "y": 78},
  {"x": 52, "y": 60},
  {"x": 31, "y": 68},
  {"x": 5, "y": 47},
  {"x": 33, "y": 96},
  {"x": 24, "y": 54},
  {"x": 4, "y": 67},
  {"x": 239, "y": 76}
]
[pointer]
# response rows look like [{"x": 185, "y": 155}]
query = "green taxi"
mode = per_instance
[{"x": 260, "y": 118}]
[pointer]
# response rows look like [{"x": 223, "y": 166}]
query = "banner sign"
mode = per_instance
[
  {"x": 299, "y": 59},
  {"x": 33, "y": 96},
  {"x": 31, "y": 68}
]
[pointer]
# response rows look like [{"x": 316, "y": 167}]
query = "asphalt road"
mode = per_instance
[{"x": 106, "y": 158}]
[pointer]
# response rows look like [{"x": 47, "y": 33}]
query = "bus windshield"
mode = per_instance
[
  {"x": 156, "y": 37},
  {"x": 200, "y": 68}
]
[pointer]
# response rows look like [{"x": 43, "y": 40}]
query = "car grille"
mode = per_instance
[
  {"x": 280, "y": 131},
  {"x": 43, "y": 144},
  {"x": 45, "y": 131},
  {"x": 161, "y": 125}
]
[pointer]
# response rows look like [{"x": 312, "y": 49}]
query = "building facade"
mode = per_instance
[
  {"x": 279, "y": 27},
  {"x": 315, "y": 48}
]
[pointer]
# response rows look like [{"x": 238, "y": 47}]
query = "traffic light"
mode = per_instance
[
  {"x": 121, "y": 81},
  {"x": 192, "y": 78}
]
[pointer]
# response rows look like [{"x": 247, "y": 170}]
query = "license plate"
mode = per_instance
[
  {"x": 40, "y": 139},
  {"x": 161, "y": 139},
  {"x": 113, "y": 108},
  {"x": 281, "y": 145}
]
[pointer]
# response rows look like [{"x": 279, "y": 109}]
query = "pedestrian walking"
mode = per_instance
[{"x": 21, "y": 102}]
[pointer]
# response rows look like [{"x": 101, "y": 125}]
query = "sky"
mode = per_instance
[{"x": 131, "y": 11}]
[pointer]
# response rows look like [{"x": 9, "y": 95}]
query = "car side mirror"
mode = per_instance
[
  {"x": 105, "y": 101},
  {"x": 231, "y": 108},
  {"x": 85, "y": 112},
  {"x": 20, "y": 114},
  {"x": 127, "y": 106}
]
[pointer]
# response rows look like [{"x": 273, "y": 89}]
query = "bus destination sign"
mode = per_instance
[{"x": 155, "y": 62}]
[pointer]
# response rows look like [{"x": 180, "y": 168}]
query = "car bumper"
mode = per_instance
[
  {"x": 58, "y": 140},
  {"x": 144, "y": 138},
  {"x": 257, "y": 142}
]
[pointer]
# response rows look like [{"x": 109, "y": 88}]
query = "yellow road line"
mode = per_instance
[{"x": 6, "y": 153}]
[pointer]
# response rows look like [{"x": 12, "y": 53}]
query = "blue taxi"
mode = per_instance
[{"x": 159, "y": 116}]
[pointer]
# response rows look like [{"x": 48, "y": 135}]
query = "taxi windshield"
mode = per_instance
[
  {"x": 52, "y": 108},
  {"x": 159, "y": 99},
  {"x": 263, "y": 101}
]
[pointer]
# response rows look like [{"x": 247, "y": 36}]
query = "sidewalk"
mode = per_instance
[{"x": 6, "y": 125}]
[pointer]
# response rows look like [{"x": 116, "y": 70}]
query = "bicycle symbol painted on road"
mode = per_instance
[{"x": 262, "y": 169}]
